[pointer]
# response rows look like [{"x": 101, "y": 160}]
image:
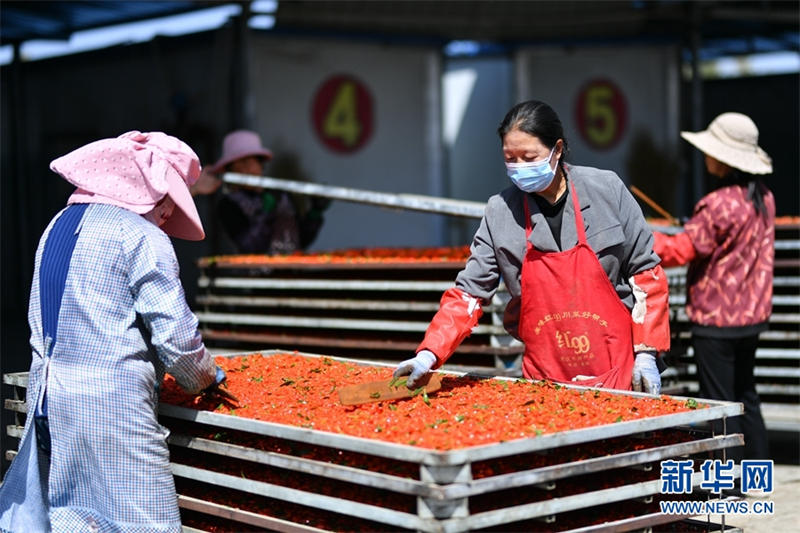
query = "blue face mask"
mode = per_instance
[{"x": 532, "y": 177}]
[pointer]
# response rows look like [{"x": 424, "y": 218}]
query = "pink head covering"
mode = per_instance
[
  {"x": 135, "y": 171},
  {"x": 238, "y": 144}
]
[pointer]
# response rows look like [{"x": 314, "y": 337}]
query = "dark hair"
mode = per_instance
[
  {"x": 535, "y": 118},
  {"x": 755, "y": 188}
]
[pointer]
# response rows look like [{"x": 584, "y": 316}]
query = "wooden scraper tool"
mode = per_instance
[{"x": 390, "y": 389}]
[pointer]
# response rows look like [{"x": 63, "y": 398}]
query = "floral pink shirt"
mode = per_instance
[{"x": 730, "y": 279}]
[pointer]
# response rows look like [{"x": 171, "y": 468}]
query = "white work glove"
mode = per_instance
[
  {"x": 416, "y": 369},
  {"x": 645, "y": 373}
]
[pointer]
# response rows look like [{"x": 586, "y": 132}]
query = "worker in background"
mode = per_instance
[
  {"x": 588, "y": 296},
  {"x": 729, "y": 245},
  {"x": 264, "y": 221},
  {"x": 108, "y": 318}
]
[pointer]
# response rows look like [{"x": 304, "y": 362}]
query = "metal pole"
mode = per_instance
[
  {"x": 241, "y": 103},
  {"x": 698, "y": 165},
  {"x": 413, "y": 202}
]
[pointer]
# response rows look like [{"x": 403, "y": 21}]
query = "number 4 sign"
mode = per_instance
[{"x": 342, "y": 113}]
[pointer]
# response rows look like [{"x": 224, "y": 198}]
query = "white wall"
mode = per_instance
[
  {"x": 434, "y": 128},
  {"x": 403, "y": 154},
  {"x": 476, "y": 94},
  {"x": 646, "y": 75}
]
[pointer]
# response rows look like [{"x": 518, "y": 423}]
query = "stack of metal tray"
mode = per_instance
[
  {"x": 310, "y": 480},
  {"x": 361, "y": 309}
]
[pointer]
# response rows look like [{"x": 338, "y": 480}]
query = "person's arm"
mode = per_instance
[
  {"x": 311, "y": 222},
  {"x": 650, "y": 312},
  {"x": 703, "y": 233},
  {"x": 248, "y": 220},
  {"x": 233, "y": 220},
  {"x": 650, "y": 327},
  {"x": 160, "y": 301},
  {"x": 460, "y": 307},
  {"x": 459, "y": 311},
  {"x": 207, "y": 183},
  {"x": 674, "y": 250},
  {"x": 647, "y": 279},
  {"x": 712, "y": 224}
]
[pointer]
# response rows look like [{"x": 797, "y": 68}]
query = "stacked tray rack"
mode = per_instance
[
  {"x": 379, "y": 311},
  {"x": 363, "y": 307},
  {"x": 602, "y": 478}
]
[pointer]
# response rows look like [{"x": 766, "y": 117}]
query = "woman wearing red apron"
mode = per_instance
[{"x": 588, "y": 296}]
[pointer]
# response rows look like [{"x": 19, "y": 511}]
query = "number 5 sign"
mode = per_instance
[
  {"x": 601, "y": 113},
  {"x": 342, "y": 113}
]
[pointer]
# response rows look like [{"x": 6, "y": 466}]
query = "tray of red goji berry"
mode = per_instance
[
  {"x": 370, "y": 303},
  {"x": 376, "y": 257},
  {"x": 480, "y": 453}
]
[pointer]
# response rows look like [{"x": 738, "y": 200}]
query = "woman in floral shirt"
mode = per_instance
[{"x": 729, "y": 245}]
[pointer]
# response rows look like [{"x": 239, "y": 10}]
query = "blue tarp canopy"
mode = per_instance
[
  {"x": 23, "y": 21},
  {"x": 502, "y": 21}
]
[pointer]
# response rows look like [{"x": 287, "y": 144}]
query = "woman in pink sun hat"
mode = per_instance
[
  {"x": 264, "y": 221},
  {"x": 108, "y": 318},
  {"x": 729, "y": 245}
]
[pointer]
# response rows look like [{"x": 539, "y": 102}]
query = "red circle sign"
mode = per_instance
[
  {"x": 342, "y": 113},
  {"x": 601, "y": 113}
]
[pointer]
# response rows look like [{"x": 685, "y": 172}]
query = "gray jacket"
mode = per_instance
[{"x": 615, "y": 229}]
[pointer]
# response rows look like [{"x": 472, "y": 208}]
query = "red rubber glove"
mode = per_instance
[
  {"x": 458, "y": 313},
  {"x": 674, "y": 250},
  {"x": 650, "y": 314}
]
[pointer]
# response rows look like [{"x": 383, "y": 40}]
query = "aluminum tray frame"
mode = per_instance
[
  {"x": 427, "y": 521},
  {"x": 443, "y": 490},
  {"x": 225, "y": 262},
  {"x": 715, "y": 410},
  {"x": 445, "y": 483}
]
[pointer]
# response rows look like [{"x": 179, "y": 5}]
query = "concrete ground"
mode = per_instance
[
  {"x": 785, "y": 450},
  {"x": 786, "y": 499}
]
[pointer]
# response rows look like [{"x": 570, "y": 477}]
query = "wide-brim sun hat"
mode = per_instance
[
  {"x": 135, "y": 171},
  {"x": 237, "y": 145},
  {"x": 732, "y": 138}
]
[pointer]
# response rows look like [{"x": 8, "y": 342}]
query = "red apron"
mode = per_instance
[{"x": 571, "y": 319}]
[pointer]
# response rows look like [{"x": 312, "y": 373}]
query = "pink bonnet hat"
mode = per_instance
[
  {"x": 135, "y": 171},
  {"x": 238, "y": 144}
]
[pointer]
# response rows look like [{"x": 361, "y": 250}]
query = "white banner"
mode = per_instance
[
  {"x": 356, "y": 115},
  {"x": 610, "y": 100}
]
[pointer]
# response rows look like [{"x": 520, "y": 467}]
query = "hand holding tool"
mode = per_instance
[
  {"x": 390, "y": 389},
  {"x": 216, "y": 390},
  {"x": 416, "y": 368}
]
